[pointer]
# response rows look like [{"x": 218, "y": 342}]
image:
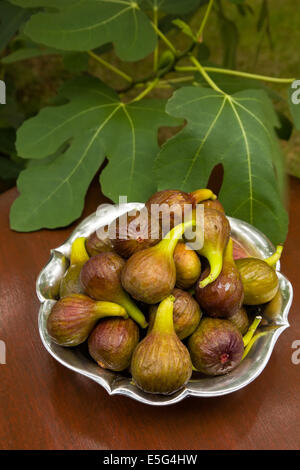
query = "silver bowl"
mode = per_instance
[{"x": 77, "y": 359}]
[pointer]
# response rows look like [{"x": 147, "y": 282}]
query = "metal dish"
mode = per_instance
[{"x": 78, "y": 360}]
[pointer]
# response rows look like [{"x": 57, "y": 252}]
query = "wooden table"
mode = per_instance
[{"x": 46, "y": 406}]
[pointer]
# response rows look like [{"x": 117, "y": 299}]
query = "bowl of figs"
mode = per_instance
[{"x": 163, "y": 300}]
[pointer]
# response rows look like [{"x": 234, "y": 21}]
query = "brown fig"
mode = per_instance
[
  {"x": 160, "y": 362},
  {"x": 214, "y": 204},
  {"x": 216, "y": 347},
  {"x": 240, "y": 320},
  {"x": 72, "y": 318},
  {"x": 188, "y": 266},
  {"x": 224, "y": 296},
  {"x": 186, "y": 314},
  {"x": 149, "y": 275},
  {"x": 96, "y": 244},
  {"x": 112, "y": 343},
  {"x": 216, "y": 236},
  {"x": 70, "y": 283},
  {"x": 259, "y": 278},
  {"x": 101, "y": 279}
]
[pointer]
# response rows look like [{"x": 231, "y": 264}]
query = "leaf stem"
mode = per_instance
[
  {"x": 146, "y": 91},
  {"x": 110, "y": 66},
  {"x": 204, "y": 21},
  {"x": 236, "y": 73},
  {"x": 201, "y": 69},
  {"x": 164, "y": 38},
  {"x": 253, "y": 327},
  {"x": 156, "y": 50}
]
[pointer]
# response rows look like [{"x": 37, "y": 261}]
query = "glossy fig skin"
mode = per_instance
[
  {"x": 241, "y": 320},
  {"x": 112, "y": 343},
  {"x": 95, "y": 245},
  {"x": 134, "y": 235},
  {"x": 214, "y": 204},
  {"x": 149, "y": 276},
  {"x": 224, "y": 296},
  {"x": 259, "y": 280},
  {"x": 188, "y": 266},
  {"x": 70, "y": 283},
  {"x": 186, "y": 314},
  {"x": 216, "y": 347},
  {"x": 72, "y": 318},
  {"x": 101, "y": 279},
  {"x": 216, "y": 237}
]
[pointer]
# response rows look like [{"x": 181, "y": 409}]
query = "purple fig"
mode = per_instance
[{"x": 95, "y": 244}]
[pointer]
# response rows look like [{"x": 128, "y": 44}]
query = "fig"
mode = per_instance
[
  {"x": 112, "y": 343},
  {"x": 259, "y": 278},
  {"x": 70, "y": 283},
  {"x": 101, "y": 279},
  {"x": 72, "y": 318},
  {"x": 240, "y": 320},
  {"x": 150, "y": 275},
  {"x": 224, "y": 296},
  {"x": 160, "y": 362},
  {"x": 216, "y": 236},
  {"x": 186, "y": 314},
  {"x": 239, "y": 251},
  {"x": 95, "y": 244},
  {"x": 188, "y": 266},
  {"x": 216, "y": 347},
  {"x": 214, "y": 204}
]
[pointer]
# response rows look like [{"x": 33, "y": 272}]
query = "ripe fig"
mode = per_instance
[
  {"x": 95, "y": 244},
  {"x": 259, "y": 278},
  {"x": 101, "y": 279},
  {"x": 150, "y": 275},
  {"x": 70, "y": 283},
  {"x": 240, "y": 320},
  {"x": 186, "y": 314},
  {"x": 188, "y": 266},
  {"x": 214, "y": 204},
  {"x": 72, "y": 318},
  {"x": 224, "y": 296},
  {"x": 239, "y": 251},
  {"x": 112, "y": 343},
  {"x": 160, "y": 362},
  {"x": 216, "y": 347},
  {"x": 216, "y": 236}
]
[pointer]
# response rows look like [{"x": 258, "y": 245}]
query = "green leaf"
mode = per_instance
[
  {"x": 27, "y": 53},
  {"x": 294, "y": 102},
  {"x": 176, "y": 7},
  {"x": 184, "y": 27},
  {"x": 11, "y": 18},
  {"x": 230, "y": 40},
  {"x": 237, "y": 131},
  {"x": 96, "y": 125},
  {"x": 88, "y": 24}
]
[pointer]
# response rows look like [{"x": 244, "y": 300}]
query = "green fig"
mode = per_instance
[
  {"x": 112, "y": 343},
  {"x": 259, "y": 278},
  {"x": 240, "y": 320},
  {"x": 224, "y": 296},
  {"x": 216, "y": 347},
  {"x": 160, "y": 362},
  {"x": 72, "y": 318},
  {"x": 216, "y": 236},
  {"x": 150, "y": 275},
  {"x": 188, "y": 266},
  {"x": 101, "y": 279},
  {"x": 186, "y": 314},
  {"x": 70, "y": 283},
  {"x": 95, "y": 244}
]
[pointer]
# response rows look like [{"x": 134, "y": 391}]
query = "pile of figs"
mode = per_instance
[{"x": 151, "y": 306}]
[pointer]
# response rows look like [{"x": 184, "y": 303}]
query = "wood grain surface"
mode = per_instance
[{"x": 46, "y": 406}]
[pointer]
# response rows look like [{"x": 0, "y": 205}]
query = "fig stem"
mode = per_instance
[
  {"x": 78, "y": 252},
  {"x": 163, "y": 322},
  {"x": 133, "y": 311},
  {"x": 109, "y": 309},
  {"x": 170, "y": 240},
  {"x": 272, "y": 260},
  {"x": 253, "y": 327},
  {"x": 250, "y": 344},
  {"x": 202, "y": 195},
  {"x": 228, "y": 254},
  {"x": 215, "y": 260}
]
